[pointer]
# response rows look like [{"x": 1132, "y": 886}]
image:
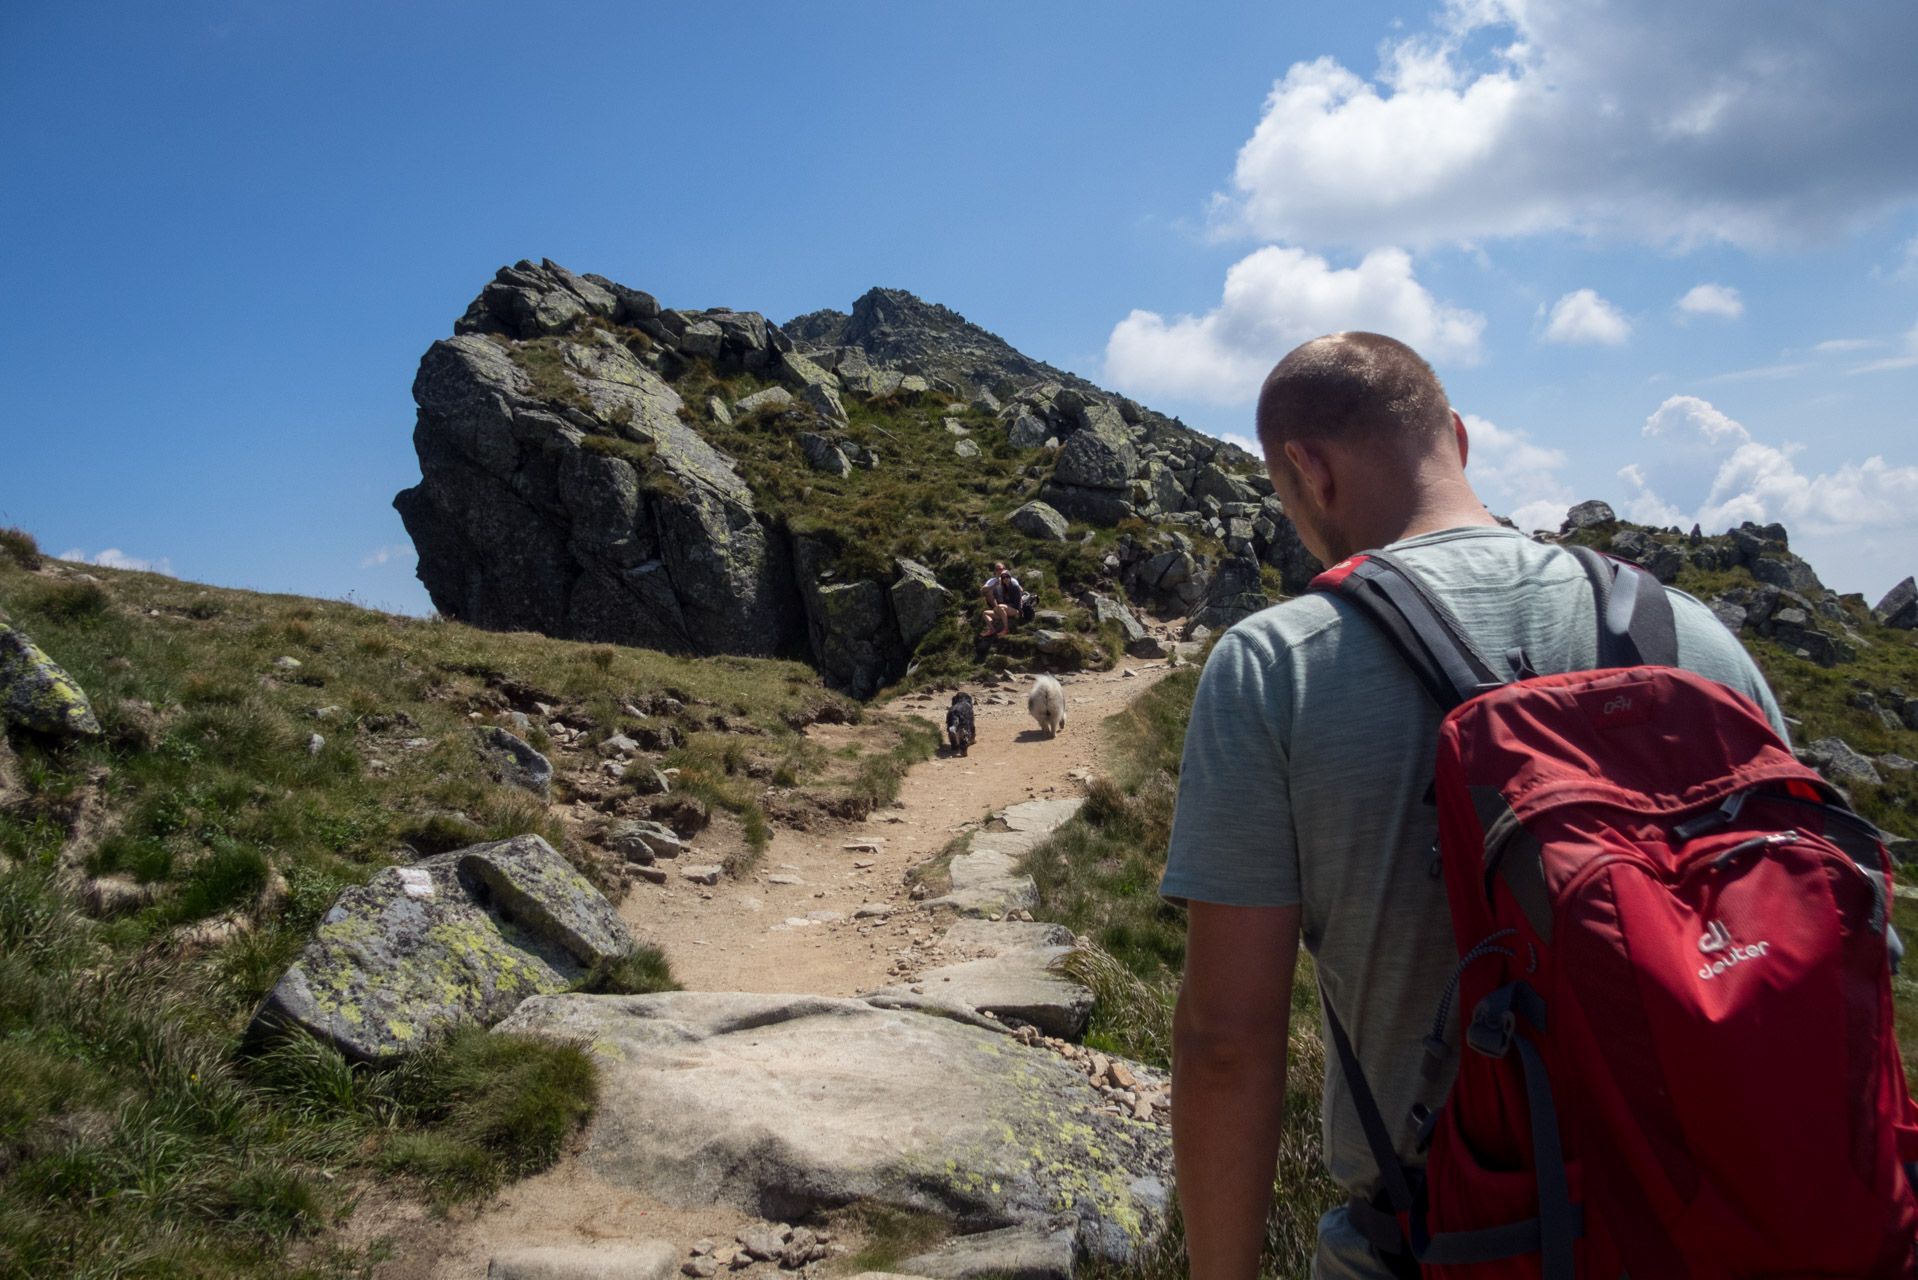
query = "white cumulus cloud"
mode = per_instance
[
  {"x": 1751, "y": 480},
  {"x": 1712, "y": 300},
  {"x": 1750, "y": 122},
  {"x": 1516, "y": 474},
  {"x": 114, "y": 558},
  {"x": 1583, "y": 317},
  {"x": 1275, "y": 299},
  {"x": 1690, "y": 420}
]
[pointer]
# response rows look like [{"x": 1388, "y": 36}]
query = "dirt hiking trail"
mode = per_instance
[{"x": 791, "y": 925}]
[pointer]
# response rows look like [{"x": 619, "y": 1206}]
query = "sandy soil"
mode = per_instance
[{"x": 788, "y": 926}]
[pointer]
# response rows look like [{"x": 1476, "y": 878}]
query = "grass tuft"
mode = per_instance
[{"x": 20, "y": 547}]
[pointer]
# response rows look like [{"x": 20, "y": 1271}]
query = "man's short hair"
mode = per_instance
[{"x": 1352, "y": 386}]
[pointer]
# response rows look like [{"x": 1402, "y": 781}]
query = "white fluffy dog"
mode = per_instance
[{"x": 1047, "y": 703}]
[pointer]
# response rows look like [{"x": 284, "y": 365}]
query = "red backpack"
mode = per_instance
[{"x": 1674, "y": 976}]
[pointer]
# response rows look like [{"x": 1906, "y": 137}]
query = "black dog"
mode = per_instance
[{"x": 959, "y": 730}]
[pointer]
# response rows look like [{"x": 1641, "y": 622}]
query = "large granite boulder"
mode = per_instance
[
  {"x": 36, "y": 694},
  {"x": 560, "y": 491},
  {"x": 1899, "y": 608},
  {"x": 783, "y": 1105},
  {"x": 462, "y": 937},
  {"x": 917, "y": 601},
  {"x": 1283, "y": 549},
  {"x": 854, "y": 638},
  {"x": 1232, "y": 594},
  {"x": 1099, "y": 455}
]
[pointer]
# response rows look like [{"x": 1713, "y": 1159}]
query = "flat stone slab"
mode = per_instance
[
  {"x": 986, "y": 880},
  {"x": 783, "y": 1105},
  {"x": 645, "y": 1260},
  {"x": 1013, "y": 984},
  {"x": 461, "y": 937}
]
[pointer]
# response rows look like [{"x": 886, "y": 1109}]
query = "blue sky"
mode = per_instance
[{"x": 231, "y": 229}]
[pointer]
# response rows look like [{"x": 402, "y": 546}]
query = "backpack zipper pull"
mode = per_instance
[{"x": 1726, "y": 858}]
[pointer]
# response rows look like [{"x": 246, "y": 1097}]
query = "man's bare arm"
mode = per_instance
[{"x": 1228, "y": 1079}]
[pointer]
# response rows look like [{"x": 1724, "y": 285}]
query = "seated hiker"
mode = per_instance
[{"x": 1005, "y": 600}]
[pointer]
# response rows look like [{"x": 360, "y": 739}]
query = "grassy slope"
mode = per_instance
[{"x": 134, "y": 1140}]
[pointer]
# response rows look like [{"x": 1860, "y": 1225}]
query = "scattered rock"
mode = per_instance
[
  {"x": 1587, "y": 515},
  {"x": 1038, "y": 520},
  {"x": 518, "y": 763},
  {"x": 966, "y": 449},
  {"x": 823, "y": 455},
  {"x": 1835, "y": 758},
  {"x": 790, "y": 1104},
  {"x": 315, "y": 744},
  {"x": 643, "y": 841},
  {"x": 464, "y": 936},
  {"x": 617, "y": 745},
  {"x": 37, "y": 694},
  {"x": 770, "y": 398},
  {"x": 287, "y": 664},
  {"x": 702, "y": 874}
]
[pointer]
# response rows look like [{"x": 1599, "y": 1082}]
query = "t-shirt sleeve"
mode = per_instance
[
  {"x": 1706, "y": 646},
  {"x": 1232, "y": 835}
]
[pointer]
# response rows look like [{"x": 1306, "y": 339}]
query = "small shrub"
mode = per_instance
[
  {"x": 502, "y": 1106},
  {"x": 71, "y": 602},
  {"x": 641, "y": 971},
  {"x": 20, "y": 547}
]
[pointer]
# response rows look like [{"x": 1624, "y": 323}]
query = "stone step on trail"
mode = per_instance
[
  {"x": 643, "y": 1260},
  {"x": 1013, "y": 982},
  {"x": 985, "y": 879}
]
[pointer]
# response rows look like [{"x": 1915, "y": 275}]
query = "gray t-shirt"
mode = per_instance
[{"x": 1307, "y": 760}]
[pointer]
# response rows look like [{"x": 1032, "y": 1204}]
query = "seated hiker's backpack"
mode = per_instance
[{"x": 1676, "y": 1058}]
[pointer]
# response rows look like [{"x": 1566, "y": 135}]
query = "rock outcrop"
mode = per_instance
[
  {"x": 563, "y": 491},
  {"x": 461, "y": 937},
  {"x": 783, "y": 1105},
  {"x": 560, "y": 492}
]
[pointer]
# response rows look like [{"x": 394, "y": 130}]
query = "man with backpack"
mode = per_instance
[{"x": 1308, "y": 809}]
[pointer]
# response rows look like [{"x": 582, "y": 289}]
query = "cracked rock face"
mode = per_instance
[
  {"x": 781, "y": 1105},
  {"x": 560, "y": 492}
]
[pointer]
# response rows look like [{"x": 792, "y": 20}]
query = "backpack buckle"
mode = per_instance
[{"x": 1495, "y": 1019}]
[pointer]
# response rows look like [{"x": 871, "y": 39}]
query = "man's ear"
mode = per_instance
[
  {"x": 1463, "y": 437},
  {"x": 1312, "y": 464}
]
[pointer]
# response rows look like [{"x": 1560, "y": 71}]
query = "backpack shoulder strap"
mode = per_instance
[
  {"x": 1636, "y": 627},
  {"x": 1418, "y": 624}
]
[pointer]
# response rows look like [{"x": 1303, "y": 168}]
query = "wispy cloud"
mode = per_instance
[
  {"x": 1905, "y": 361},
  {"x": 1847, "y": 344},
  {"x": 1762, "y": 371},
  {"x": 382, "y": 555}
]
